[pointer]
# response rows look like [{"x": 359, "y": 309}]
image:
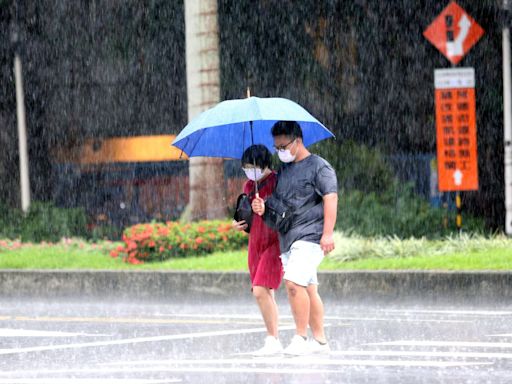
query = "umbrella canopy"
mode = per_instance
[{"x": 232, "y": 126}]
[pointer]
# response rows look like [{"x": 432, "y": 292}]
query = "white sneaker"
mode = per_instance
[
  {"x": 298, "y": 346},
  {"x": 316, "y": 347},
  {"x": 272, "y": 346}
]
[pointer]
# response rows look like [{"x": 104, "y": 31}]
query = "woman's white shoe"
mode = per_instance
[{"x": 271, "y": 347}]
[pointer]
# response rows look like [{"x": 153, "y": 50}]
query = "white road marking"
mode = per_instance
[
  {"x": 9, "y": 332},
  {"x": 456, "y": 355},
  {"x": 55, "y": 380},
  {"x": 394, "y": 319},
  {"x": 228, "y": 316},
  {"x": 453, "y": 312},
  {"x": 302, "y": 361},
  {"x": 128, "y": 320},
  {"x": 305, "y": 365},
  {"x": 135, "y": 340},
  {"x": 434, "y": 343},
  {"x": 290, "y": 318},
  {"x": 501, "y": 335}
]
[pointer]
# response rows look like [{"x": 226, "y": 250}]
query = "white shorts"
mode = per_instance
[{"x": 301, "y": 262}]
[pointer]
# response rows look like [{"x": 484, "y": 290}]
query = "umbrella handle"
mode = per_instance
[{"x": 255, "y": 181}]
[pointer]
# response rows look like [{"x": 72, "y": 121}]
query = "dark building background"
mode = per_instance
[{"x": 117, "y": 68}]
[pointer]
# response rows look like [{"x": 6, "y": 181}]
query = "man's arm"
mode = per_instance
[{"x": 330, "y": 211}]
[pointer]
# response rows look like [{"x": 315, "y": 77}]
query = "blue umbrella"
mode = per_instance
[{"x": 232, "y": 126}]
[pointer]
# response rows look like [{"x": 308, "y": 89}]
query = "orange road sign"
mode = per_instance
[
  {"x": 456, "y": 129},
  {"x": 453, "y": 32}
]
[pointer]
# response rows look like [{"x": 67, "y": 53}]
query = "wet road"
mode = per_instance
[{"x": 77, "y": 341}]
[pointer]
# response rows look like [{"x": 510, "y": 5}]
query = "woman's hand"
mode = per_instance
[
  {"x": 239, "y": 225},
  {"x": 258, "y": 205}
]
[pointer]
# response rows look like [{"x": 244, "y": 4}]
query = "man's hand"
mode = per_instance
[
  {"x": 327, "y": 243},
  {"x": 258, "y": 205},
  {"x": 239, "y": 225}
]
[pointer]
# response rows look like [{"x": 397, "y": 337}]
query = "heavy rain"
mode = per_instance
[{"x": 95, "y": 91}]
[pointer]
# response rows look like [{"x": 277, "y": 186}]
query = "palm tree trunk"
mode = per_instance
[{"x": 207, "y": 195}]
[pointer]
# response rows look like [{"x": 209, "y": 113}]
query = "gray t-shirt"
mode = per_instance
[{"x": 301, "y": 183}]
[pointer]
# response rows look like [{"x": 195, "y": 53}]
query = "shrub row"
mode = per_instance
[
  {"x": 161, "y": 241},
  {"x": 398, "y": 212},
  {"x": 43, "y": 222}
]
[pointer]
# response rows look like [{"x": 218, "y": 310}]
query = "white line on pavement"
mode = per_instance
[
  {"x": 55, "y": 380},
  {"x": 394, "y": 319},
  {"x": 9, "y": 332},
  {"x": 309, "y": 360},
  {"x": 288, "y": 317},
  {"x": 451, "y": 354},
  {"x": 501, "y": 335},
  {"x": 434, "y": 343},
  {"x": 305, "y": 365},
  {"x": 135, "y": 340},
  {"x": 453, "y": 312}
]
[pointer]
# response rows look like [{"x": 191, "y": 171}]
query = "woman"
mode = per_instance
[{"x": 264, "y": 263}]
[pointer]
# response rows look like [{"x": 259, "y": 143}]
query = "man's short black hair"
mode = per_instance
[
  {"x": 287, "y": 128},
  {"x": 257, "y": 154}
]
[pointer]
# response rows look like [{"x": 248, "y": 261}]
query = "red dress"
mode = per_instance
[{"x": 264, "y": 263}]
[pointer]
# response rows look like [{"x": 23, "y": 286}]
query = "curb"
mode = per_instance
[{"x": 354, "y": 285}]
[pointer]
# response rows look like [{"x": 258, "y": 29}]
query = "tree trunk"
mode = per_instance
[{"x": 207, "y": 199}]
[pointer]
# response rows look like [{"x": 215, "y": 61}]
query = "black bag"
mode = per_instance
[
  {"x": 243, "y": 211},
  {"x": 278, "y": 215}
]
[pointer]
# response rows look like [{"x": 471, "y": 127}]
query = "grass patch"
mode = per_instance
[
  {"x": 352, "y": 253},
  {"x": 61, "y": 257},
  {"x": 57, "y": 257},
  {"x": 220, "y": 261},
  {"x": 354, "y": 247},
  {"x": 489, "y": 259}
]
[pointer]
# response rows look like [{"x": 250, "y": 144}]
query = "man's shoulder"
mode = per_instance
[{"x": 319, "y": 162}]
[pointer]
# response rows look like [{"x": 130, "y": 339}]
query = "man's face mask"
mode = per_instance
[
  {"x": 253, "y": 174},
  {"x": 285, "y": 155}
]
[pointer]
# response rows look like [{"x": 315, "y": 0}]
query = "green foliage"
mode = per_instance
[
  {"x": 398, "y": 212},
  {"x": 352, "y": 252},
  {"x": 43, "y": 222},
  {"x": 357, "y": 166},
  {"x": 373, "y": 202},
  {"x": 9, "y": 222},
  {"x": 104, "y": 232},
  {"x": 350, "y": 248},
  {"x": 355, "y": 247},
  {"x": 161, "y": 241}
]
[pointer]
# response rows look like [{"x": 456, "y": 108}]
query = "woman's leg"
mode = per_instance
[{"x": 268, "y": 308}]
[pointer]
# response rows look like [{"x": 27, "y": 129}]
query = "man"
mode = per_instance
[{"x": 303, "y": 180}]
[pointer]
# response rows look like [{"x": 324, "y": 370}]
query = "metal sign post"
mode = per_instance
[
  {"x": 454, "y": 33},
  {"x": 507, "y": 127}
]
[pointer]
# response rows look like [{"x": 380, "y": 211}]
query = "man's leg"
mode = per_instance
[
  {"x": 316, "y": 315},
  {"x": 268, "y": 308},
  {"x": 299, "y": 303}
]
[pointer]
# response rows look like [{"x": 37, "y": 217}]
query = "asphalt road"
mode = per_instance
[{"x": 109, "y": 341}]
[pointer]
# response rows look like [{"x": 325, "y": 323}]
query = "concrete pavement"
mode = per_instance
[{"x": 98, "y": 341}]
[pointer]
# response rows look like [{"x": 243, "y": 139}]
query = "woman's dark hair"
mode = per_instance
[
  {"x": 257, "y": 154},
  {"x": 287, "y": 128}
]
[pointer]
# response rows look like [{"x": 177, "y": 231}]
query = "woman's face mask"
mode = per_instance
[{"x": 254, "y": 174}]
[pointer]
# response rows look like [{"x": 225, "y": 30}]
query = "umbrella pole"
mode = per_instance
[{"x": 254, "y": 161}]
